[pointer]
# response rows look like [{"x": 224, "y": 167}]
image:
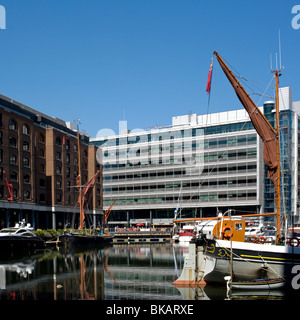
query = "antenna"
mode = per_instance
[
  {"x": 271, "y": 61},
  {"x": 279, "y": 49}
]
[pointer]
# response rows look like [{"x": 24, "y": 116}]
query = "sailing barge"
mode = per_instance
[
  {"x": 69, "y": 240},
  {"x": 214, "y": 257}
]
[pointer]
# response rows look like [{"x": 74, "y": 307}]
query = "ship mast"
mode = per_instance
[
  {"x": 81, "y": 214},
  {"x": 270, "y": 136},
  {"x": 277, "y": 129}
]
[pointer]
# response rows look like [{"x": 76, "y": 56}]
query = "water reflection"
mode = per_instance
[
  {"x": 126, "y": 272},
  {"x": 116, "y": 272}
]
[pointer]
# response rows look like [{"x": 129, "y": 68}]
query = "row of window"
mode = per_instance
[
  {"x": 172, "y": 134},
  {"x": 185, "y": 185},
  {"x": 14, "y": 160},
  {"x": 168, "y": 174},
  {"x": 240, "y": 196}
]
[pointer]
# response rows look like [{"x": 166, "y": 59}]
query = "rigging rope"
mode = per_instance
[{"x": 241, "y": 129}]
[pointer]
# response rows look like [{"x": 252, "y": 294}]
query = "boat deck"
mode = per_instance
[{"x": 142, "y": 236}]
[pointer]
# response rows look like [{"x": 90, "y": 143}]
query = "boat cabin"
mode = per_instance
[{"x": 230, "y": 229}]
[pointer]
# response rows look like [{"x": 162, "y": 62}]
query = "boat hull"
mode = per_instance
[
  {"x": 69, "y": 241},
  {"x": 250, "y": 261},
  {"x": 11, "y": 244},
  {"x": 258, "y": 284}
]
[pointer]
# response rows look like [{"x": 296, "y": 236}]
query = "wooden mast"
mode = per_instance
[
  {"x": 278, "y": 186},
  {"x": 79, "y": 183},
  {"x": 274, "y": 138}
]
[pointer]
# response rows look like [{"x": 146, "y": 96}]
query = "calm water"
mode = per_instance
[{"x": 121, "y": 272}]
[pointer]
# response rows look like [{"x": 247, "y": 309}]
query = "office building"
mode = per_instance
[{"x": 201, "y": 164}]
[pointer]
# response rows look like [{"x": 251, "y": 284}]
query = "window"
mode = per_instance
[
  {"x": 68, "y": 157},
  {"x": 42, "y": 138},
  {"x": 25, "y": 129},
  {"x": 25, "y": 146},
  {"x": 42, "y": 167},
  {"x": 26, "y": 178},
  {"x": 13, "y": 159},
  {"x": 58, "y": 141},
  {"x": 58, "y": 184},
  {"x": 67, "y": 144},
  {"x": 26, "y": 162},
  {"x": 26, "y": 194},
  {"x": 58, "y": 170},
  {"x": 42, "y": 153},
  {"x": 12, "y": 124},
  {"x": 42, "y": 197},
  {"x": 42, "y": 183},
  {"x": 1, "y": 155},
  {"x": 58, "y": 198},
  {"x": 13, "y": 176},
  {"x": 15, "y": 193},
  {"x": 58, "y": 156},
  {"x": 13, "y": 142}
]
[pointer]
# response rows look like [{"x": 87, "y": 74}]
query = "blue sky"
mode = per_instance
[{"x": 140, "y": 60}]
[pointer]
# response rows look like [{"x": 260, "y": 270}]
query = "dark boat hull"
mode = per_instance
[
  {"x": 69, "y": 241},
  {"x": 12, "y": 244}
]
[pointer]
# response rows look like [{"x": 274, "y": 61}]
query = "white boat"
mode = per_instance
[
  {"x": 20, "y": 238},
  {"x": 227, "y": 253},
  {"x": 187, "y": 233},
  {"x": 18, "y": 230}
]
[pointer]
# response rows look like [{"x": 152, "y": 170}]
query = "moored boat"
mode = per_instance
[
  {"x": 70, "y": 240},
  {"x": 187, "y": 233},
  {"x": 258, "y": 284},
  {"x": 226, "y": 252},
  {"x": 20, "y": 238}
]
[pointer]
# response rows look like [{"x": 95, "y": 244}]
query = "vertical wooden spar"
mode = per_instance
[
  {"x": 278, "y": 187},
  {"x": 81, "y": 215},
  {"x": 269, "y": 135}
]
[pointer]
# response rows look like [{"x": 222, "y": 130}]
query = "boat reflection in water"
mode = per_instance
[
  {"x": 114, "y": 272},
  {"x": 127, "y": 272}
]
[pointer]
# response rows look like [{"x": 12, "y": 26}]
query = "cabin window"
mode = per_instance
[{"x": 238, "y": 226}]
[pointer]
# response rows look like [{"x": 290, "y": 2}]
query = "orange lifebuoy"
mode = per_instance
[
  {"x": 291, "y": 242},
  {"x": 227, "y": 235},
  {"x": 252, "y": 239},
  {"x": 260, "y": 240}
]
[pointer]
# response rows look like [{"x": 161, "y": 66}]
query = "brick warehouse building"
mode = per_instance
[{"x": 39, "y": 159}]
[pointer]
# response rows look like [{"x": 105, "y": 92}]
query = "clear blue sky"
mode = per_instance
[{"x": 141, "y": 60}]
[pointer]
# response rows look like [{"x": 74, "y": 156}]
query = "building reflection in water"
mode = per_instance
[{"x": 117, "y": 272}]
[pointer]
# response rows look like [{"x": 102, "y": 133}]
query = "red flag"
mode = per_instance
[{"x": 209, "y": 76}]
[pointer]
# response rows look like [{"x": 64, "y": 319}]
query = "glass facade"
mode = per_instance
[{"x": 198, "y": 168}]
